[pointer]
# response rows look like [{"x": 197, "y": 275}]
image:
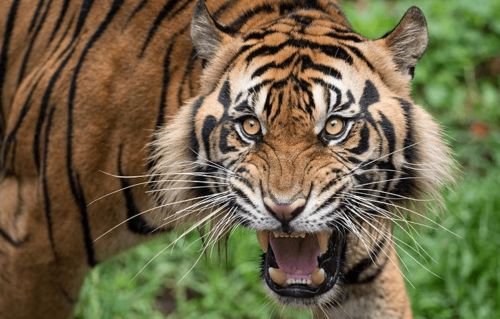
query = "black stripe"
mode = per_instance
[
  {"x": 82, "y": 17},
  {"x": 334, "y": 196},
  {"x": 84, "y": 10},
  {"x": 156, "y": 24},
  {"x": 268, "y": 105},
  {"x": 136, "y": 10},
  {"x": 364, "y": 141},
  {"x": 346, "y": 37},
  {"x": 241, "y": 194},
  {"x": 181, "y": 8},
  {"x": 236, "y": 25},
  {"x": 407, "y": 186},
  {"x": 60, "y": 18},
  {"x": 223, "y": 8},
  {"x": 4, "y": 55},
  {"x": 333, "y": 51},
  {"x": 36, "y": 14},
  {"x": 12, "y": 241},
  {"x": 224, "y": 97},
  {"x": 33, "y": 38},
  {"x": 195, "y": 146},
  {"x": 258, "y": 35},
  {"x": 74, "y": 179},
  {"x": 160, "y": 119},
  {"x": 188, "y": 70},
  {"x": 46, "y": 195},
  {"x": 63, "y": 36},
  {"x": 307, "y": 63},
  {"x": 135, "y": 222},
  {"x": 370, "y": 96},
  {"x": 209, "y": 125},
  {"x": 276, "y": 113},
  {"x": 353, "y": 274},
  {"x": 12, "y": 135},
  {"x": 164, "y": 87},
  {"x": 224, "y": 145},
  {"x": 301, "y": 19},
  {"x": 273, "y": 65},
  {"x": 346, "y": 105},
  {"x": 388, "y": 130},
  {"x": 360, "y": 55},
  {"x": 78, "y": 194},
  {"x": 410, "y": 152}
]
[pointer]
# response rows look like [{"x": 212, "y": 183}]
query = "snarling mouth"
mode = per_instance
[{"x": 301, "y": 265}]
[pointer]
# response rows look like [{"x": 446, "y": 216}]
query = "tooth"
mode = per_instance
[
  {"x": 318, "y": 276},
  {"x": 302, "y": 235},
  {"x": 276, "y": 234},
  {"x": 263, "y": 239},
  {"x": 323, "y": 238},
  {"x": 277, "y": 275}
]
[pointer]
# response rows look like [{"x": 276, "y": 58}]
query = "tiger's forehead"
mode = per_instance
[
  {"x": 299, "y": 69},
  {"x": 294, "y": 88}
]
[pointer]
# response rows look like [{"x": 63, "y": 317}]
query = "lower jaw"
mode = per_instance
[{"x": 304, "y": 294}]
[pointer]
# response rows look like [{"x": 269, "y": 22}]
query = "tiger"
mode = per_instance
[{"x": 122, "y": 120}]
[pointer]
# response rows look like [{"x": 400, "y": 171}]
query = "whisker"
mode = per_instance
[
  {"x": 385, "y": 236},
  {"x": 389, "y": 215},
  {"x": 398, "y": 196},
  {"x": 417, "y": 214},
  {"x": 196, "y": 225},
  {"x": 176, "y": 189},
  {"x": 154, "y": 182},
  {"x": 408, "y": 254},
  {"x": 149, "y": 210},
  {"x": 203, "y": 251},
  {"x": 390, "y": 180}
]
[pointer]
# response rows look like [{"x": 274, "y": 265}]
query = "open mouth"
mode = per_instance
[{"x": 301, "y": 265}]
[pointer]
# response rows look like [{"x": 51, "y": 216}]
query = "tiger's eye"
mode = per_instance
[
  {"x": 251, "y": 126},
  {"x": 334, "y": 126}
]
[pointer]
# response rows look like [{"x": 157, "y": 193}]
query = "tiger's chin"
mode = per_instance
[{"x": 302, "y": 269}]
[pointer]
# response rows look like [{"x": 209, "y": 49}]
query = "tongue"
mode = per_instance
[{"x": 297, "y": 257}]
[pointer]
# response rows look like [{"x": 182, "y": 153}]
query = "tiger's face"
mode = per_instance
[{"x": 301, "y": 138}]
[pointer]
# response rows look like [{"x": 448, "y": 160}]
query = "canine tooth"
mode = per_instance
[
  {"x": 302, "y": 235},
  {"x": 277, "y": 275},
  {"x": 263, "y": 239},
  {"x": 318, "y": 276},
  {"x": 323, "y": 238},
  {"x": 276, "y": 234}
]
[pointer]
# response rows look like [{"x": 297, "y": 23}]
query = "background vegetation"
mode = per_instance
[{"x": 458, "y": 79}]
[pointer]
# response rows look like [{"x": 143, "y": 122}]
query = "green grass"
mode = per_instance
[{"x": 454, "y": 80}]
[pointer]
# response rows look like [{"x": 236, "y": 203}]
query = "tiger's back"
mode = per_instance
[{"x": 82, "y": 88}]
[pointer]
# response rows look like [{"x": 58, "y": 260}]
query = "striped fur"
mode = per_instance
[{"x": 97, "y": 86}]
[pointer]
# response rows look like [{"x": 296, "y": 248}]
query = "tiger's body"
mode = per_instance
[{"x": 93, "y": 86}]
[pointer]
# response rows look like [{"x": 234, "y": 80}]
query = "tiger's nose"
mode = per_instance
[{"x": 284, "y": 211}]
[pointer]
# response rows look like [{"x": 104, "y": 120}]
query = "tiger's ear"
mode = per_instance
[
  {"x": 408, "y": 40},
  {"x": 206, "y": 33}
]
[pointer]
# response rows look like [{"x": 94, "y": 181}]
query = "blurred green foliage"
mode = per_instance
[{"x": 458, "y": 81}]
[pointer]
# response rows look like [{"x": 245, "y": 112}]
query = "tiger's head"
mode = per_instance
[{"x": 306, "y": 132}]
